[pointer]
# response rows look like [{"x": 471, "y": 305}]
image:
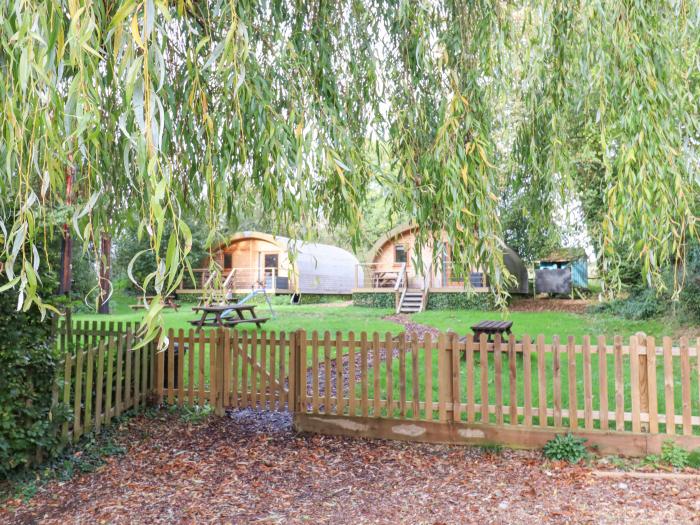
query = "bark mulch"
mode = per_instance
[
  {"x": 251, "y": 467},
  {"x": 546, "y": 304},
  {"x": 412, "y": 327}
]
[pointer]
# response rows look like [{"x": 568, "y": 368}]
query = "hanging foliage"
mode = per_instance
[
  {"x": 613, "y": 99},
  {"x": 220, "y": 107}
]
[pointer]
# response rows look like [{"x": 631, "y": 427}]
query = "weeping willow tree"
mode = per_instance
[
  {"x": 613, "y": 98},
  {"x": 158, "y": 109}
]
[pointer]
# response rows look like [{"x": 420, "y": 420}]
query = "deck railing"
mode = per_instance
[
  {"x": 239, "y": 278},
  {"x": 447, "y": 276},
  {"x": 381, "y": 275}
]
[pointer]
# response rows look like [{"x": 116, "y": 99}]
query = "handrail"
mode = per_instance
[
  {"x": 236, "y": 278},
  {"x": 424, "y": 297},
  {"x": 401, "y": 277},
  {"x": 403, "y": 294},
  {"x": 231, "y": 275}
]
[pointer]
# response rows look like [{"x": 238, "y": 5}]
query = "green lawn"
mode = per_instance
[
  {"x": 547, "y": 323},
  {"x": 287, "y": 318},
  {"x": 322, "y": 317}
]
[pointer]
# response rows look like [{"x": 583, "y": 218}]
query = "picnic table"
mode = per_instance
[
  {"x": 219, "y": 319},
  {"x": 490, "y": 328},
  {"x": 168, "y": 302}
]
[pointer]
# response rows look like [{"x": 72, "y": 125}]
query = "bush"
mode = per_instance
[
  {"x": 690, "y": 296},
  {"x": 375, "y": 300},
  {"x": 460, "y": 301},
  {"x": 694, "y": 458},
  {"x": 645, "y": 303},
  {"x": 310, "y": 298},
  {"x": 28, "y": 361},
  {"x": 642, "y": 303},
  {"x": 674, "y": 454},
  {"x": 565, "y": 447}
]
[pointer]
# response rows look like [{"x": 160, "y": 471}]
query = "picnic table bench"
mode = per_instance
[
  {"x": 168, "y": 302},
  {"x": 490, "y": 328},
  {"x": 220, "y": 319}
]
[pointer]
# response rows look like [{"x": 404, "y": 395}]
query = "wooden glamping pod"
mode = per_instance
[
  {"x": 393, "y": 268},
  {"x": 255, "y": 260}
]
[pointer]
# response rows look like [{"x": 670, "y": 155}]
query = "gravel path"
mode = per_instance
[
  {"x": 251, "y": 467},
  {"x": 402, "y": 319},
  {"x": 412, "y": 327}
]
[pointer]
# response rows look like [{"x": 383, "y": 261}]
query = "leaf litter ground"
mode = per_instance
[{"x": 251, "y": 467}]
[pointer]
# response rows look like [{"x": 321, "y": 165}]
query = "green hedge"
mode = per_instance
[
  {"x": 28, "y": 362},
  {"x": 460, "y": 301},
  {"x": 309, "y": 298},
  {"x": 375, "y": 300}
]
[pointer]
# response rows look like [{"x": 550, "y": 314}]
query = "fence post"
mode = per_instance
[
  {"x": 298, "y": 360},
  {"x": 293, "y": 402},
  {"x": 160, "y": 371},
  {"x": 643, "y": 379},
  {"x": 219, "y": 384},
  {"x": 445, "y": 379}
]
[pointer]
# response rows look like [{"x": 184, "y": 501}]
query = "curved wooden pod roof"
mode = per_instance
[
  {"x": 511, "y": 259},
  {"x": 320, "y": 268}
]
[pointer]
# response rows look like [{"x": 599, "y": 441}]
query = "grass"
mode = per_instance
[
  {"x": 287, "y": 318},
  {"x": 336, "y": 317},
  {"x": 548, "y": 323}
]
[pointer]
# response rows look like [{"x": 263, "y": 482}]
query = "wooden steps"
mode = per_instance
[{"x": 412, "y": 301}]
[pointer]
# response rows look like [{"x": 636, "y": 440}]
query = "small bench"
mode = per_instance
[{"x": 491, "y": 328}]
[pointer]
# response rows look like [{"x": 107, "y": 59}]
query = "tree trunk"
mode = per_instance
[
  {"x": 105, "y": 269},
  {"x": 64, "y": 285},
  {"x": 66, "y": 277}
]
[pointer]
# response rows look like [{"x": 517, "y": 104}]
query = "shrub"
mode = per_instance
[
  {"x": 309, "y": 298},
  {"x": 652, "y": 461},
  {"x": 565, "y": 447},
  {"x": 690, "y": 296},
  {"x": 89, "y": 454},
  {"x": 375, "y": 300},
  {"x": 694, "y": 458},
  {"x": 642, "y": 303},
  {"x": 28, "y": 361},
  {"x": 460, "y": 301},
  {"x": 673, "y": 454},
  {"x": 645, "y": 303}
]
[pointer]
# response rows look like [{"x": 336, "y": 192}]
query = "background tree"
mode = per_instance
[{"x": 219, "y": 108}]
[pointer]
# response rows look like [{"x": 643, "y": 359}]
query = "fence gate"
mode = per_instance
[{"x": 228, "y": 369}]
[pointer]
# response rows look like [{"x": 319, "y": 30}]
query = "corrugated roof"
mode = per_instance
[
  {"x": 565, "y": 255},
  {"x": 322, "y": 268}
]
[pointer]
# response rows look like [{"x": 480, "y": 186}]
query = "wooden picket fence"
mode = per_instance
[
  {"x": 227, "y": 369},
  {"x": 103, "y": 372},
  {"x": 625, "y": 397}
]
